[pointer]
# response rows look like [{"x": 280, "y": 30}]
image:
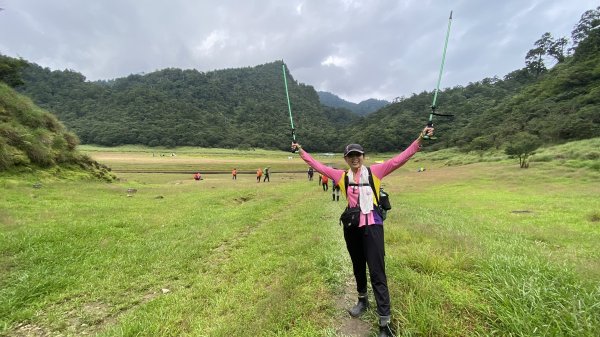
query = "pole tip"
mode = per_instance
[{"x": 450, "y": 15}]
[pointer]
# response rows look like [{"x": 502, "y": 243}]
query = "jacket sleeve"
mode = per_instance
[
  {"x": 387, "y": 167},
  {"x": 332, "y": 173}
]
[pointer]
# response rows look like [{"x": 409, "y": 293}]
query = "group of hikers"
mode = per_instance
[
  {"x": 260, "y": 174},
  {"x": 363, "y": 217}
]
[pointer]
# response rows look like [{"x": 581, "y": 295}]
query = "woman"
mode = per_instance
[{"x": 365, "y": 243}]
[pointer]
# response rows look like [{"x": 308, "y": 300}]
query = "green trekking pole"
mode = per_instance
[
  {"x": 437, "y": 89},
  {"x": 289, "y": 108}
]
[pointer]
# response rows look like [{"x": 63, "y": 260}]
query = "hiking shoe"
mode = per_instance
[
  {"x": 361, "y": 306},
  {"x": 386, "y": 331}
]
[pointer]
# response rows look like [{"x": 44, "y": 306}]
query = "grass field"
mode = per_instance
[{"x": 484, "y": 249}]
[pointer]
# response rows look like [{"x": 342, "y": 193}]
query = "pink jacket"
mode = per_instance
[{"x": 379, "y": 170}]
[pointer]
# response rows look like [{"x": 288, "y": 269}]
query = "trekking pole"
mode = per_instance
[
  {"x": 437, "y": 89},
  {"x": 289, "y": 108}
]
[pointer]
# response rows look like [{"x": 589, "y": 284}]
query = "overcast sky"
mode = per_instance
[{"x": 356, "y": 49}]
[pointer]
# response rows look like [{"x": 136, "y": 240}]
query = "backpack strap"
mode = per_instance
[
  {"x": 373, "y": 182},
  {"x": 344, "y": 184}
]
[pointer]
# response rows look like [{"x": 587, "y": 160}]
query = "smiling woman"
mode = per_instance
[{"x": 363, "y": 221}]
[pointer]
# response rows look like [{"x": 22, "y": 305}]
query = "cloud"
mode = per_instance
[
  {"x": 213, "y": 43},
  {"x": 336, "y": 61},
  {"x": 357, "y": 49}
]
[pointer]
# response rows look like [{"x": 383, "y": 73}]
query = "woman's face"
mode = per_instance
[{"x": 354, "y": 160}]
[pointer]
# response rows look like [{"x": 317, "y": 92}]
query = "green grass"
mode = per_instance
[
  {"x": 470, "y": 265},
  {"x": 472, "y": 250},
  {"x": 576, "y": 154},
  {"x": 583, "y": 153},
  {"x": 132, "y": 158},
  {"x": 90, "y": 257}
]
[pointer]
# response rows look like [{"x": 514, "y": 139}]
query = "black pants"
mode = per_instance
[{"x": 366, "y": 248}]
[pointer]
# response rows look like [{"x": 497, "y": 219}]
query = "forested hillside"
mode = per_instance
[
  {"x": 247, "y": 107},
  {"x": 173, "y": 107},
  {"x": 362, "y": 109}
]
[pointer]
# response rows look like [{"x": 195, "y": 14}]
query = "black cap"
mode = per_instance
[{"x": 353, "y": 148}]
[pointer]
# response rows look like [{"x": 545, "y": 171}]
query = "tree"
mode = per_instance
[
  {"x": 534, "y": 59},
  {"x": 522, "y": 145},
  {"x": 590, "y": 19},
  {"x": 481, "y": 143},
  {"x": 10, "y": 69},
  {"x": 556, "y": 49},
  {"x": 587, "y": 33},
  {"x": 545, "y": 46}
]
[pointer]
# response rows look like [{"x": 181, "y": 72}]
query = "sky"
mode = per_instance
[{"x": 356, "y": 49}]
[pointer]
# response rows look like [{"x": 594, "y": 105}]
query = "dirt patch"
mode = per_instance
[
  {"x": 351, "y": 327},
  {"x": 354, "y": 327},
  {"x": 222, "y": 252},
  {"x": 7, "y": 263},
  {"x": 7, "y": 222},
  {"x": 30, "y": 330},
  {"x": 242, "y": 200}
]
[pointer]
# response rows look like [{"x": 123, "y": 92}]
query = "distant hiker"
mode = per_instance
[
  {"x": 197, "y": 176},
  {"x": 234, "y": 174},
  {"x": 266, "y": 175},
  {"x": 311, "y": 173},
  {"x": 325, "y": 182},
  {"x": 335, "y": 192},
  {"x": 259, "y": 173},
  {"x": 364, "y": 236}
]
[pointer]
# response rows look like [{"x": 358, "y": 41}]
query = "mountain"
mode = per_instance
[
  {"x": 559, "y": 105},
  {"x": 362, "y": 109},
  {"x": 243, "y": 108},
  {"x": 247, "y": 108}
]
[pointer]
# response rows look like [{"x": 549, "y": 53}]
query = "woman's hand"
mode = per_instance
[
  {"x": 427, "y": 131},
  {"x": 296, "y": 147}
]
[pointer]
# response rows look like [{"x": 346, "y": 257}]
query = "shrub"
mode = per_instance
[{"x": 72, "y": 140}]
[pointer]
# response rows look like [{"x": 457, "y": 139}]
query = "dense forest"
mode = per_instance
[
  {"x": 173, "y": 107},
  {"x": 247, "y": 107},
  {"x": 362, "y": 109}
]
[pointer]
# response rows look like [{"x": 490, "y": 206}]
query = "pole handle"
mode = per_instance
[
  {"x": 427, "y": 137},
  {"x": 294, "y": 142}
]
